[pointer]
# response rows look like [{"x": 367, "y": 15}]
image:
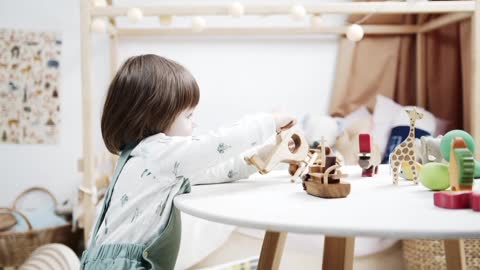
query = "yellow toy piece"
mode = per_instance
[{"x": 406, "y": 171}]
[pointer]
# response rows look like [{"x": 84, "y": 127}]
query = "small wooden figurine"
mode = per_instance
[
  {"x": 405, "y": 152},
  {"x": 369, "y": 155},
  {"x": 323, "y": 178},
  {"x": 282, "y": 152},
  {"x": 461, "y": 170},
  {"x": 429, "y": 150}
]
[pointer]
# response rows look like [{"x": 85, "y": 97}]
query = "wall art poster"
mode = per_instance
[{"x": 29, "y": 87}]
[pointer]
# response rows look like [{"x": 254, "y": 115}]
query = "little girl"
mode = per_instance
[{"x": 147, "y": 118}]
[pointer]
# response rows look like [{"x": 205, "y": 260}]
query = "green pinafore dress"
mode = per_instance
[{"x": 160, "y": 254}]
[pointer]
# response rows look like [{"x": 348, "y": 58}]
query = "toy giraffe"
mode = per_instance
[{"x": 404, "y": 153}]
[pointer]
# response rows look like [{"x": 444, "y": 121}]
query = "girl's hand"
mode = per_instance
[{"x": 283, "y": 121}]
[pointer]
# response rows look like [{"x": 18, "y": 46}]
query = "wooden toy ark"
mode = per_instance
[
  {"x": 404, "y": 153},
  {"x": 369, "y": 155},
  {"x": 283, "y": 153},
  {"x": 323, "y": 177},
  {"x": 429, "y": 149},
  {"x": 318, "y": 168}
]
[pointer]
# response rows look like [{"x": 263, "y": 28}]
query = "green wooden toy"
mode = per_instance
[
  {"x": 446, "y": 143},
  {"x": 435, "y": 176},
  {"x": 461, "y": 168}
]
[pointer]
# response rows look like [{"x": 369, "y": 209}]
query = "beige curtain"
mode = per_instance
[{"x": 386, "y": 65}]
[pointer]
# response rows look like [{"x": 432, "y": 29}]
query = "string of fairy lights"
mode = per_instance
[{"x": 354, "y": 32}]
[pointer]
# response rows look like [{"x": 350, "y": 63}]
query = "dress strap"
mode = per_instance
[{"x": 124, "y": 157}]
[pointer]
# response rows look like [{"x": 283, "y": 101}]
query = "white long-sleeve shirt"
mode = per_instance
[{"x": 143, "y": 195}]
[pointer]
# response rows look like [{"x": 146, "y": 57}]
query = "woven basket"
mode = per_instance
[
  {"x": 430, "y": 254},
  {"x": 15, "y": 247}
]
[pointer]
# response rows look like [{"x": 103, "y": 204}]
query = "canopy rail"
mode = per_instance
[
  {"x": 283, "y": 9},
  {"x": 265, "y": 31},
  {"x": 443, "y": 21}
]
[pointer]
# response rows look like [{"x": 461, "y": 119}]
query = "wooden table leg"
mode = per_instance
[
  {"x": 338, "y": 253},
  {"x": 455, "y": 254},
  {"x": 272, "y": 250}
]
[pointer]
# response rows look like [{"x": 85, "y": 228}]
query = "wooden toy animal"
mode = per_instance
[
  {"x": 369, "y": 156},
  {"x": 282, "y": 152},
  {"x": 429, "y": 149},
  {"x": 405, "y": 151}
]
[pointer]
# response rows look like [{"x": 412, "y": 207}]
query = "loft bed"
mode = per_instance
[{"x": 451, "y": 12}]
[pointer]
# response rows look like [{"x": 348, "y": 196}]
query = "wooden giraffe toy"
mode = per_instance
[{"x": 404, "y": 153}]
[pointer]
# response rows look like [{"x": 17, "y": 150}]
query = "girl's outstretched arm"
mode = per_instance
[
  {"x": 187, "y": 156},
  {"x": 231, "y": 170}
]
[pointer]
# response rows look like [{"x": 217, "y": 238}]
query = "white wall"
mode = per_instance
[
  {"x": 52, "y": 166},
  {"x": 237, "y": 75}
]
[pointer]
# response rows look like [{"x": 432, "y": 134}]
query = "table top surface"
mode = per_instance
[{"x": 375, "y": 207}]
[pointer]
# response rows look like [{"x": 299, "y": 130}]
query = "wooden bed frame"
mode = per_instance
[{"x": 454, "y": 11}]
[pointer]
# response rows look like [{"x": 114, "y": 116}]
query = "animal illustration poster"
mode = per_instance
[{"x": 29, "y": 89}]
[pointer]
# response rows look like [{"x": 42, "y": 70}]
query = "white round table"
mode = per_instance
[{"x": 375, "y": 207}]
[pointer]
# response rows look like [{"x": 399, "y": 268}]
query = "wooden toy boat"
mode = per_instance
[{"x": 324, "y": 176}]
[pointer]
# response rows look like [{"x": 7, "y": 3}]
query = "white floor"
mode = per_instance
[{"x": 242, "y": 246}]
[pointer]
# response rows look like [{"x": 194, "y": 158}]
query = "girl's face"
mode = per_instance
[{"x": 183, "y": 124}]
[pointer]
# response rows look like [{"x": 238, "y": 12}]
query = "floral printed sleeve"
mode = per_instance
[
  {"x": 194, "y": 154},
  {"x": 231, "y": 170}
]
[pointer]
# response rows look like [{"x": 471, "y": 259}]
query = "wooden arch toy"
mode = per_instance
[{"x": 282, "y": 152}]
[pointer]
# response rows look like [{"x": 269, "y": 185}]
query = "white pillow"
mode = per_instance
[
  {"x": 427, "y": 123},
  {"x": 317, "y": 126},
  {"x": 386, "y": 110}
]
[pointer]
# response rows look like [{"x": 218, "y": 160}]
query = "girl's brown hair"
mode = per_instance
[{"x": 143, "y": 99}]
